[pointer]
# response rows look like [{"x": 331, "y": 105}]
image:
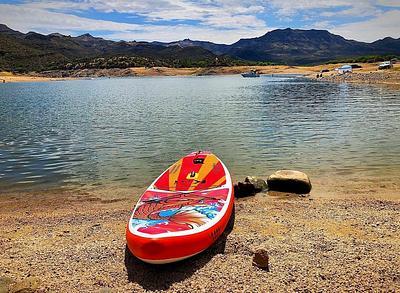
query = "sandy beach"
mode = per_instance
[
  {"x": 6, "y": 77},
  {"x": 341, "y": 238},
  {"x": 368, "y": 73}
]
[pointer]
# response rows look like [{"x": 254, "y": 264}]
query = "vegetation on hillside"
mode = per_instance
[
  {"x": 21, "y": 52},
  {"x": 138, "y": 61},
  {"x": 365, "y": 59}
]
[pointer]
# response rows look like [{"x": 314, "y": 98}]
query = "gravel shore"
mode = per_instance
[
  {"x": 377, "y": 77},
  {"x": 70, "y": 241},
  {"x": 57, "y": 75},
  {"x": 368, "y": 73}
]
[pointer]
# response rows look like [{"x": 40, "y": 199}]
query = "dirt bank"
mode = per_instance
[
  {"x": 372, "y": 75},
  {"x": 150, "y": 71},
  {"x": 6, "y": 77},
  {"x": 72, "y": 241}
]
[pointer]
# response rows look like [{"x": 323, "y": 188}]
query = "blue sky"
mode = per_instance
[{"x": 221, "y": 21}]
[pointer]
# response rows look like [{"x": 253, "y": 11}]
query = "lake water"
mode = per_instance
[{"x": 127, "y": 131}]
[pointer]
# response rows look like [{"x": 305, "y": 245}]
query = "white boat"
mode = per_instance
[{"x": 251, "y": 73}]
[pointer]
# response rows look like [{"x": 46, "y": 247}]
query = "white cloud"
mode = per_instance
[
  {"x": 325, "y": 24},
  {"x": 332, "y": 8},
  {"x": 289, "y": 7},
  {"x": 179, "y": 32},
  {"x": 390, "y": 3},
  {"x": 386, "y": 24},
  {"x": 26, "y": 19},
  {"x": 239, "y": 21},
  {"x": 358, "y": 9},
  {"x": 103, "y": 6},
  {"x": 158, "y": 9}
]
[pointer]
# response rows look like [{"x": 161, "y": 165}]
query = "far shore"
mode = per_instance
[
  {"x": 368, "y": 73},
  {"x": 7, "y": 77}
]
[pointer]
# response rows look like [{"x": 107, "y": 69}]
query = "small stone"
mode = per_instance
[
  {"x": 290, "y": 181},
  {"x": 261, "y": 259}
]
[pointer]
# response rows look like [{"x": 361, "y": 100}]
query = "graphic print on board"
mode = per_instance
[{"x": 171, "y": 212}]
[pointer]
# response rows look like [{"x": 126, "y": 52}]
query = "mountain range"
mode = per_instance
[
  {"x": 37, "y": 52},
  {"x": 296, "y": 47}
]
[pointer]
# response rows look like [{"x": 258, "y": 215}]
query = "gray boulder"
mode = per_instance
[
  {"x": 250, "y": 186},
  {"x": 289, "y": 181},
  {"x": 243, "y": 189},
  {"x": 259, "y": 184}
]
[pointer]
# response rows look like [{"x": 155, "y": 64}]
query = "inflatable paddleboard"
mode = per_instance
[{"x": 183, "y": 211}]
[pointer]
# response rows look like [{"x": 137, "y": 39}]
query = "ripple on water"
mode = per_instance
[{"x": 129, "y": 130}]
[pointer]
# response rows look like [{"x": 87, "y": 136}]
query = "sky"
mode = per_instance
[{"x": 219, "y": 21}]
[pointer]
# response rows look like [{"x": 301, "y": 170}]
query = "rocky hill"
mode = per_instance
[
  {"x": 297, "y": 47},
  {"x": 36, "y": 52}
]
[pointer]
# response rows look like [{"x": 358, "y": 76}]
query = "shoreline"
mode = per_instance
[
  {"x": 75, "y": 241},
  {"x": 327, "y": 185},
  {"x": 9, "y": 77},
  {"x": 367, "y": 74}
]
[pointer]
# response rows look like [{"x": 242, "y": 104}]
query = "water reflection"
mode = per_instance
[{"x": 128, "y": 130}]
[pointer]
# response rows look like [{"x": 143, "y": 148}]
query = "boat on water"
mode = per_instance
[
  {"x": 251, "y": 73},
  {"x": 183, "y": 212}
]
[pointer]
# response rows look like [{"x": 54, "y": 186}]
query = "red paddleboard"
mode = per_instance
[{"x": 183, "y": 211}]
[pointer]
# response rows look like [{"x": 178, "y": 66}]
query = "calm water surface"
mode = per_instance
[{"x": 127, "y": 131}]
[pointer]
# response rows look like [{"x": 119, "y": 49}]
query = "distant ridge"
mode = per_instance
[
  {"x": 217, "y": 49},
  {"x": 297, "y": 47},
  {"x": 37, "y": 52}
]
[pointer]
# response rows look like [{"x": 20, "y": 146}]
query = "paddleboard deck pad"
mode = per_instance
[{"x": 183, "y": 211}]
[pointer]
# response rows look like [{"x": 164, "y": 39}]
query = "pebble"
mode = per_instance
[{"x": 261, "y": 258}]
